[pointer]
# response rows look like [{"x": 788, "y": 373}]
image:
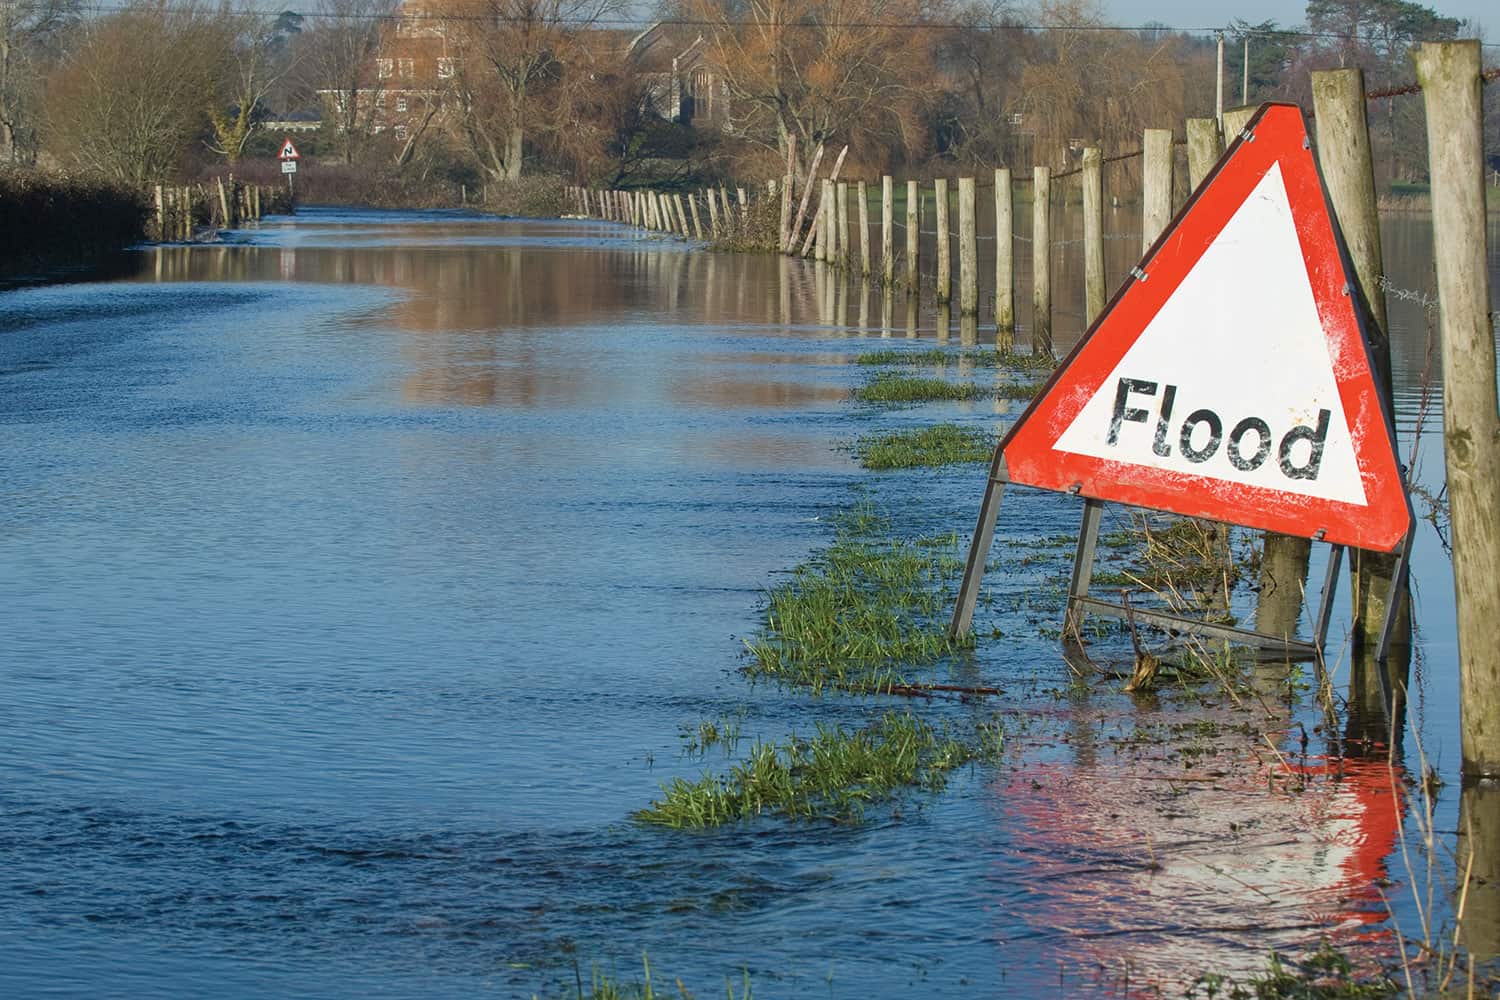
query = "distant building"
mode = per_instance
[{"x": 680, "y": 84}]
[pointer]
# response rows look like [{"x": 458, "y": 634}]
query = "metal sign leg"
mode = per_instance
[
  {"x": 979, "y": 548},
  {"x": 1083, "y": 566},
  {"x": 1325, "y": 604},
  {"x": 1393, "y": 600}
]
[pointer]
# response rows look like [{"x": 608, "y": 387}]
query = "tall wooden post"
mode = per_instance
[
  {"x": 913, "y": 238},
  {"x": 1349, "y": 175},
  {"x": 1005, "y": 271},
  {"x": 1093, "y": 234},
  {"x": 161, "y": 217},
  {"x": 713, "y": 216},
  {"x": 1156, "y": 210},
  {"x": 864, "y": 235},
  {"x": 785, "y": 221},
  {"x": 842, "y": 204},
  {"x": 968, "y": 251},
  {"x": 944, "y": 287},
  {"x": 1041, "y": 260},
  {"x": 887, "y": 230},
  {"x": 1451, "y": 92},
  {"x": 1203, "y": 148}
]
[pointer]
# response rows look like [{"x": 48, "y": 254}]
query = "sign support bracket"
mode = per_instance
[{"x": 979, "y": 548}]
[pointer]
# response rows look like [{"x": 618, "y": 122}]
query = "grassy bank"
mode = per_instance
[{"x": 60, "y": 220}]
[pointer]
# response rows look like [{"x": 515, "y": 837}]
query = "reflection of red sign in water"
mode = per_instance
[{"x": 1184, "y": 872}]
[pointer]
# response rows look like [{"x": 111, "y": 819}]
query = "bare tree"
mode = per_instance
[
  {"x": 29, "y": 35},
  {"x": 822, "y": 70},
  {"x": 128, "y": 99},
  {"x": 260, "y": 57},
  {"x": 338, "y": 57},
  {"x": 518, "y": 64}
]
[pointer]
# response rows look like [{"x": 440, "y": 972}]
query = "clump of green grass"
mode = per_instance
[
  {"x": 710, "y": 733},
  {"x": 855, "y": 614},
  {"x": 606, "y": 987},
  {"x": 892, "y": 356},
  {"x": 835, "y": 774},
  {"x": 1019, "y": 388},
  {"x": 1325, "y": 974},
  {"x": 894, "y": 387},
  {"x": 978, "y": 358},
  {"x": 941, "y": 444}
]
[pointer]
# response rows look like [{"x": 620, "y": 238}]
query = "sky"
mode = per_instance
[{"x": 1212, "y": 13}]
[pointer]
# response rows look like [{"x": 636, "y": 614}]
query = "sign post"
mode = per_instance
[
  {"x": 1228, "y": 379},
  {"x": 289, "y": 157}
]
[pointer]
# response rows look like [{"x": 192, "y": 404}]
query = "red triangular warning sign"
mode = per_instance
[
  {"x": 1230, "y": 379},
  {"x": 288, "y": 151}
]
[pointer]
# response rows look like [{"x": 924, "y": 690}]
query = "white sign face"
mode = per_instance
[
  {"x": 289, "y": 166},
  {"x": 1231, "y": 385}
]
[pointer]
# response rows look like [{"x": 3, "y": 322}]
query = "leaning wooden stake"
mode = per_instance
[
  {"x": 887, "y": 231},
  {"x": 1005, "y": 270},
  {"x": 697, "y": 226},
  {"x": 1452, "y": 94},
  {"x": 807, "y": 190},
  {"x": 1041, "y": 260},
  {"x": 1157, "y": 185},
  {"x": 1349, "y": 175},
  {"x": 944, "y": 283},
  {"x": 968, "y": 250},
  {"x": 1093, "y": 234}
]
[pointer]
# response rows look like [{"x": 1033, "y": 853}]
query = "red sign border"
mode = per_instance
[
  {"x": 1027, "y": 448},
  {"x": 285, "y": 142}
]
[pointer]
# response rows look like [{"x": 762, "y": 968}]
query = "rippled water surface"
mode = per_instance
[{"x": 361, "y": 576}]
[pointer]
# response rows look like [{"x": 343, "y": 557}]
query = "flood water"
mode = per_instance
[{"x": 362, "y": 575}]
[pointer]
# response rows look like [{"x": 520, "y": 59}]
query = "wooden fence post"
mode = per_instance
[
  {"x": 1452, "y": 94},
  {"x": 968, "y": 251},
  {"x": 913, "y": 238},
  {"x": 682, "y": 218},
  {"x": 1203, "y": 148},
  {"x": 864, "y": 233},
  {"x": 887, "y": 230},
  {"x": 713, "y": 215},
  {"x": 1235, "y": 120},
  {"x": 1005, "y": 270},
  {"x": 1156, "y": 197},
  {"x": 842, "y": 207},
  {"x": 161, "y": 217},
  {"x": 697, "y": 226},
  {"x": 786, "y": 210},
  {"x": 1093, "y": 234},
  {"x": 1349, "y": 176},
  {"x": 831, "y": 225},
  {"x": 807, "y": 189},
  {"x": 1041, "y": 260},
  {"x": 944, "y": 287}
]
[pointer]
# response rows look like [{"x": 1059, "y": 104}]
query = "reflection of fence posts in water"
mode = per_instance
[
  {"x": 1477, "y": 853},
  {"x": 1449, "y": 73}
]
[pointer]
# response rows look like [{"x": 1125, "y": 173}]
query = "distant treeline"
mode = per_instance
[{"x": 50, "y": 218}]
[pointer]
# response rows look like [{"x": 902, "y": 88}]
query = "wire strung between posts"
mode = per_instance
[{"x": 1488, "y": 76}]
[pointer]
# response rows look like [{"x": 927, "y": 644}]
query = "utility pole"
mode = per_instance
[
  {"x": 1219, "y": 83},
  {"x": 1245, "y": 75}
]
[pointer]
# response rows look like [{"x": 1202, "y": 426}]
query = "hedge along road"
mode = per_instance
[{"x": 363, "y": 573}]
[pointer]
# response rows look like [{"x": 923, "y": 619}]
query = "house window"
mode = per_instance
[
  {"x": 407, "y": 68},
  {"x": 401, "y": 132},
  {"x": 1015, "y": 117},
  {"x": 380, "y": 100},
  {"x": 400, "y": 104},
  {"x": 383, "y": 68},
  {"x": 445, "y": 67}
]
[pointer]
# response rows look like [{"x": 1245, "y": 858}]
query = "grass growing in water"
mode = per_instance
[
  {"x": 893, "y": 387},
  {"x": 834, "y": 774},
  {"x": 942, "y": 444},
  {"x": 849, "y": 618},
  {"x": 605, "y": 987},
  {"x": 978, "y": 358}
]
